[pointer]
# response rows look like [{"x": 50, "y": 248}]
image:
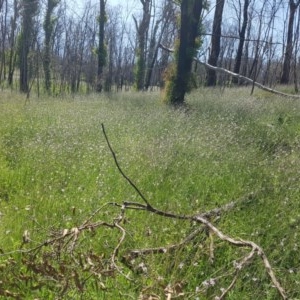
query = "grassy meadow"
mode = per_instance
[{"x": 56, "y": 172}]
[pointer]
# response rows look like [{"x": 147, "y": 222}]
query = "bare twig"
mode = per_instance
[
  {"x": 132, "y": 254},
  {"x": 249, "y": 244},
  {"x": 120, "y": 170},
  {"x": 117, "y": 222},
  {"x": 255, "y": 249}
]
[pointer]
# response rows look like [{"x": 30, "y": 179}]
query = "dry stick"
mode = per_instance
[
  {"x": 219, "y": 69},
  {"x": 139, "y": 252},
  {"x": 63, "y": 235},
  {"x": 120, "y": 170},
  {"x": 238, "y": 269},
  {"x": 250, "y": 244},
  {"x": 199, "y": 219},
  {"x": 148, "y": 206}
]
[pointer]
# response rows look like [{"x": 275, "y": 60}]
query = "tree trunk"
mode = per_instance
[
  {"x": 178, "y": 84},
  {"x": 142, "y": 32},
  {"x": 30, "y": 8},
  {"x": 285, "y": 76},
  {"x": 48, "y": 28},
  {"x": 12, "y": 41},
  {"x": 101, "y": 47},
  {"x": 242, "y": 33},
  {"x": 211, "y": 79},
  {"x": 3, "y": 41}
]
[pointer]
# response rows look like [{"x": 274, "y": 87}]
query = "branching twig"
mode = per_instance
[
  {"x": 120, "y": 170},
  {"x": 249, "y": 244},
  {"x": 132, "y": 254},
  {"x": 255, "y": 249}
]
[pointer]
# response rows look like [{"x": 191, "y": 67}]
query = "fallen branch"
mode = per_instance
[
  {"x": 135, "y": 253},
  {"x": 255, "y": 249},
  {"x": 247, "y": 79}
]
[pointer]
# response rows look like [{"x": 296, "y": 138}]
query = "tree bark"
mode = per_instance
[
  {"x": 211, "y": 78},
  {"x": 142, "y": 32},
  {"x": 101, "y": 47},
  {"x": 178, "y": 84},
  {"x": 242, "y": 33},
  {"x": 12, "y": 42},
  {"x": 285, "y": 76},
  {"x": 48, "y": 28},
  {"x": 30, "y": 8}
]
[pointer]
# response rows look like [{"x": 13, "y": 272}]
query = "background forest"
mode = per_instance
[{"x": 54, "y": 48}]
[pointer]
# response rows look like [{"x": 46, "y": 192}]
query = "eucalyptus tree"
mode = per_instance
[
  {"x": 101, "y": 51},
  {"x": 215, "y": 42},
  {"x": 12, "y": 41},
  {"x": 243, "y": 22},
  {"x": 29, "y": 9},
  {"x": 48, "y": 25},
  {"x": 159, "y": 26},
  {"x": 3, "y": 38},
  {"x": 179, "y": 78},
  {"x": 285, "y": 76},
  {"x": 142, "y": 29}
]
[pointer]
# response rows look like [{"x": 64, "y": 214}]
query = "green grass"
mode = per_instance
[{"x": 56, "y": 170}]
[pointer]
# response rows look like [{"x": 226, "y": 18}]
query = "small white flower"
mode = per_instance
[{"x": 181, "y": 265}]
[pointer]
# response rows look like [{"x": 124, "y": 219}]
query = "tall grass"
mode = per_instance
[{"x": 55, "y": 170}]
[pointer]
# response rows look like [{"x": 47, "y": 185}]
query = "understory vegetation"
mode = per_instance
[{"x": 61, "y": 195}]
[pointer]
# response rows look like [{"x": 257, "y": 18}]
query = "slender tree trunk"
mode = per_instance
[
  {"x": 48, "y": 28},
  {"x": 101, "y": 47},
  {"x": 285, "y": 76},
  {"x": 242, "y": 33},
  {"x": 30, "y": 8},
  {"x": 211, "y": 79},
  {"x": 12, "y": 41},
  {"x": 178, "y": 84},
  {"x": 142, "y": 33},
  {"x": 3, "y": 41},
  {"x": 1, "y": 4}
]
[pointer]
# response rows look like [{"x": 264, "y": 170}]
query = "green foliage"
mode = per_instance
[
  {"x": 102, "y": 54},
  {"x": 169, "y": 78},
  {"x": 139, "y": 70},
  {"x": 99, "y": 20},
  {"x": 56, "y": 170}
]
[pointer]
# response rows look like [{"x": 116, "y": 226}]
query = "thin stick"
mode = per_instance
[
  {"x": 121, "y": 171},
  {"x": 196, "y": 218}
]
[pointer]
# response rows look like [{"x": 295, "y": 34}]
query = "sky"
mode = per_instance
[{"x": 126, "y": 4}]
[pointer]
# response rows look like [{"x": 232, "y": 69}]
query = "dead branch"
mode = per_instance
[
  {"x": 120, "y": 170},
  {"x": 246, "y": 40},
  {"x": 255, "y": 249},
  {"x": 135, "y": 253},
  {"x": 253, "y": 82},
  {"x": 216, "y": 212},
  {"x": 239, "y": 267},
  {"x": 249, "y": 244}
]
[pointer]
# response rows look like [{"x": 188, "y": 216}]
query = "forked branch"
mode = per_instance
[{"x": 201, "y": 219}]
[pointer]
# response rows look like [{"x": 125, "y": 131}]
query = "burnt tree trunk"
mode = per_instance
[
  {"x": 285, "y": 76},
  {"x": 211, "y": 79},
  {"x": 178, "y": 84},
  {"x": 242, "y": 33},
  {"x": 101, "y": 48}
]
